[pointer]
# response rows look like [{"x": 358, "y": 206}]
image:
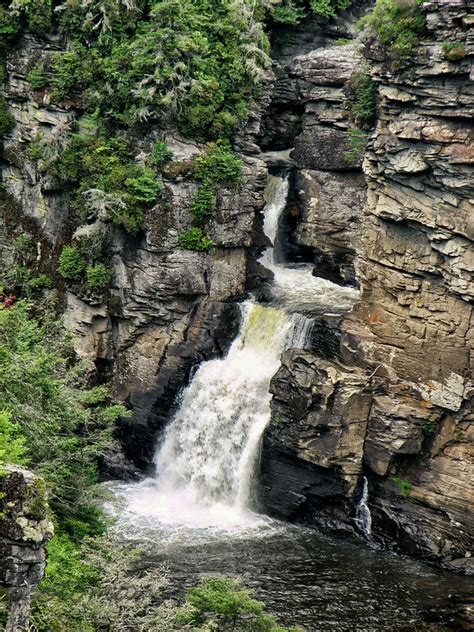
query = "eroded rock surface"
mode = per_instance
[
  {"x": 24, "y": 529},
  {"x": 406, "y": 349}
]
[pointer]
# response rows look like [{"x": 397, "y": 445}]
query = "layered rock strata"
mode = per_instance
[
  {"x": 406, "y": 349},
  {"x": 24, "y": 529},
  {"x": 167, "y": 308}
]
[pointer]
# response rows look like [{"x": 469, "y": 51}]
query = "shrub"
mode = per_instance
[
  {"x": 454, "y": 51},
  {"x": 195, "y": 239},
  {"x": 161, "y": 154},
  {"x": 399, "y": 24},
  {"x": 98, "y": 276},
  {"x": 329, "y": 8},
  {"x": 143, "y": 187},
  {"x": 357, "y": 142},
  {"x": 219, "y": 166},
  {"x": 42, "y": 387},
  {"x": 12, "y": 442},
  {"x": 37, "y": 77},
  {"x": 204, "y": 203},
  {"x": 41, "y": 281},
  {"x": 7, "y": 120},
  {"x": 403, "y": 484},
  {"x": 365, "y": 105},
  {"x": 71, "y": 263},
  {"x": 224, "y": 604},
  {"x": 288, "y": 13}
]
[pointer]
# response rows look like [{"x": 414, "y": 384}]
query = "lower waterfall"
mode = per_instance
[
  {"x": 205, "y": 462},
  {"x": 197, "y": 514}
]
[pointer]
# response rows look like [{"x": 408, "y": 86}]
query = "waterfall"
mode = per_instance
[
  {"x": 363, "y": 516},
  {"x": 206, "y": 460}
]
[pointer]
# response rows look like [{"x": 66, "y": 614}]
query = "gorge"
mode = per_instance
[{"x": 299, "y": 387}]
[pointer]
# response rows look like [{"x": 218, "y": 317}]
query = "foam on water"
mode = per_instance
[{"x": 206, "y": 460}]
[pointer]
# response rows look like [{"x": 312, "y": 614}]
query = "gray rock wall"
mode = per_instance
[
  {"x": 395, "y": 402},
  {"x": 24, "y": 529}
]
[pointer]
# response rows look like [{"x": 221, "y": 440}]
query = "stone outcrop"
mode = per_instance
[
  {"x": 309, "y": 112},
  {"x": 406, "y": 348},
  {"x": 167, "y": 309},
  {"x": 24, "y": 529}
]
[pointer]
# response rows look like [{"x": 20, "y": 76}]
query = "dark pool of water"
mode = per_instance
[{"x": 326, "y": 584}]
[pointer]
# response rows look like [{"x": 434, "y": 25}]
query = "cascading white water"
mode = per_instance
[
  {"x": 363, "y": 516},
  {"x": 206, "y": 460},
  {"x": 207, "y": 457}
]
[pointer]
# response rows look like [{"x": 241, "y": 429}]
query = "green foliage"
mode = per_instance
[
  {"x": 42, "y": 388},
  {"x": 98, "y": 276},
  {"x": 143, "y": 187},
  {"x": 365, "y": 105},
  {"x": 357, "y": 142},
  {"x": 288, "y": 13},
  {"x": 219, "y": 166},
  {"x": 37, "y": 77},
  {"x": 161, "y": 154},
  {"x": 454, "y": 51},
  {"x": 428, "y": 427},
  {"x": 224, "y": 604},
  {"x": 7, "y": 120},
  {"x": 329, "y": 8},
  {"x": 59, "y": 604},
  {"x": 12, "y": 442},
  {"x": 95, "y": 586},
  {"x": 42, "y": 281},
  {"x": 195, "y": 239},
  {"x": 197, "y": 64},
  {"x": 106, "y": 165},
  {"x": 71, "y": 263},
  {"x": 399, "y": 24},
  {"x": 204, "y": 204},
  {"x": 404, "y": 485}
]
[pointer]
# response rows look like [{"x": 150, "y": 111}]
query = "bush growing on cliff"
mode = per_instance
[
  {"x": 399, "y": 24},
  {"x": 197, "y": 64},
  {"x": 7, "y": 120},
  {"x": 44, "y": 390},
  {"x": 98, "y": 276},
  {"x": 365, "y": 104},
  {"x": 195, "y": 239},
  {"x": 288, "y": 12},
  {"x": 71, "y": 263}
]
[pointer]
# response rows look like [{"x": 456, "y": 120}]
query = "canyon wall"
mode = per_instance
[
  {"x": 167, "y": 308},
  {"x": 393, "y": 401}
]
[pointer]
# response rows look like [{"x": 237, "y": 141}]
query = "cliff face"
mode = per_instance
[
  {"x": 167, "y": 308},
  {"x": 385, "y": 394},
  {"x": 395, "y": 402},
  {"x": 24, "y": 529}
]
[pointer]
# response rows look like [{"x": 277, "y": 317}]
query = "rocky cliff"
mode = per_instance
[
  {"x": 393, "y": 401},
  {"x": 167, "y": 308},
  {"x": 387, "y": 392},
  {"x": 25, "y": 527}
]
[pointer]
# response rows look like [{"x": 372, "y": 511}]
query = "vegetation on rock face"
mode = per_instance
[
  {"x": 71, "y": 263},
  {"x": 7, "y": 120},
  {"x": 398, "y": 24},
  {"x": 220, "y": 166},
  {"x": 365, "y": 104},
  {"x": 44, "y": 392},
  {"x": 292, "y": 12},
  {"x": 196, "y": 64}
]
